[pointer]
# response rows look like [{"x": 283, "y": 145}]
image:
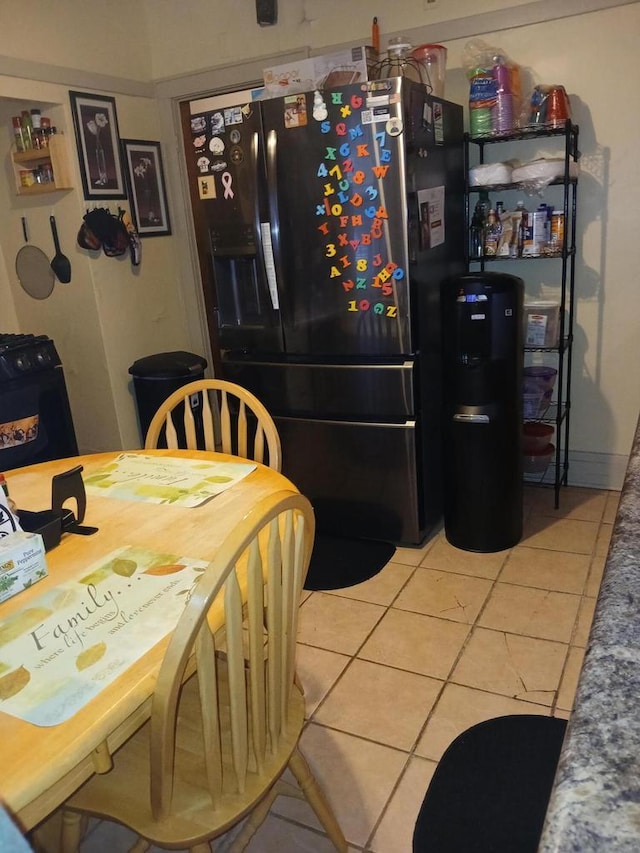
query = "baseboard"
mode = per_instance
[{"x": 597, "y": 470}]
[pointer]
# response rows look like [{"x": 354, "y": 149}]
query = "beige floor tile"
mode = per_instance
[
  {"x": 357, "y": 777},
  {"x": 521, "y": 667},
  {"x": 395, "y": 832},
  {"x": 578, "y": 537},
  {"x": 337, "y": 624},
  {"x": 604, "y": 540},
  {"x": 445, "y": 595},
  {"x": 596, "y": 573},
  {"x": 458, "y": 709},
  {"x": 383, "y": 704},
  {"x": 277, "y": 835},
  {"x": 318, "y": 671},
  {"x": 531, "y": 612},
  {"x": 446, "y": 558},
  {"x": 576, "y": 503},
  {"x": 416, "y": 643},
  {"x": 556, "y": 570},
  {"x": 381, "y": 588},
  {"x": 570, "y": 678},
  {"x": 414, "y": 556},
  {"x": 583, "y": 623},
  {"x": 611, "y": 508}
]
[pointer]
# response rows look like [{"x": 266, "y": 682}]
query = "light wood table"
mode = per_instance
[{"x": 42, "y": 766}]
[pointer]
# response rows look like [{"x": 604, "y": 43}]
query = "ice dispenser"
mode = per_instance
[{"x": 483, "y": 359}]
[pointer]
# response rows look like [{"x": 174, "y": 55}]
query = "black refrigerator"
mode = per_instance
[{"x": 325, "y": 223}]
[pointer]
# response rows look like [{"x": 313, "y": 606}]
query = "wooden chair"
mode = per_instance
[
  {"x": 219, "y": 433},
  {"x": 219, "y": 740}
]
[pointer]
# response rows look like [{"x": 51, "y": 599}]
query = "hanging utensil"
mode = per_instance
[
  {"x": 33, "y": 268},
  {"x": 61, "y": 265}
]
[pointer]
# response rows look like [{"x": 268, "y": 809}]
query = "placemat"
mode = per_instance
[
  {"x": 64, "y": 647},
  {"x": 163, "y": 479}
]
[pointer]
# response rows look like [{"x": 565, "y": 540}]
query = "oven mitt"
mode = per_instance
[
  {"x": 86, "y": 238},
  {"x": 102, "y": 228}
]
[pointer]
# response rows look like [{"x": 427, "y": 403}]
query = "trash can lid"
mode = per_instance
[{"x": 164, "y": 365}]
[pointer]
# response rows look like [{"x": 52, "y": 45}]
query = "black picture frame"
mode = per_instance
[
  {"x": 147, "y": 191},
  {"x": 95, "y": 123}
]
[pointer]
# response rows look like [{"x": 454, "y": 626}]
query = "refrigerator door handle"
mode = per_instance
[
  {"x": 271, "y": 230},
  {"x": 263, "y": 237}
]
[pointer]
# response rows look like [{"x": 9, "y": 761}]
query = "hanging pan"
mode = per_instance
[{"x": 33, "y": 268}]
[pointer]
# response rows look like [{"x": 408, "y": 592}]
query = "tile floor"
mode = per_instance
[{"x": 396, "y": 667}]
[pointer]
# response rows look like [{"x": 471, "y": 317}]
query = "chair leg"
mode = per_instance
[
  {"x": 71, "y": 831},
  {"x": 141, "y": 846},
  {"x": 317, "y": 800},
  {"x": 205, "y": 847},
  {"x": 254, "y": 822}
]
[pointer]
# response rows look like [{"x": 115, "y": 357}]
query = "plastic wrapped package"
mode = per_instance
[
  {"x": 495, "y": 93},
  {"x": 538, "y": 174},
  {"x": 486, "y": 174}
]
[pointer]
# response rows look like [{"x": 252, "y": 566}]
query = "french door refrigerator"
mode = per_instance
[{"x": 325, "y": 222}]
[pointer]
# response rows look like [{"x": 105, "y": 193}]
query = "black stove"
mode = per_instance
[
  {"x": 21, "y": 355},
  {"x": 35, "y": 417}
]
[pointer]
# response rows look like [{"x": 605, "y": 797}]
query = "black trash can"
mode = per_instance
[{"x": 157, "y": 376}]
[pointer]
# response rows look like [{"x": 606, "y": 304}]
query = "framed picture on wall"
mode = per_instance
[
  {"x": 98, "y": 140},
  {"x": 147, "y": 193}
]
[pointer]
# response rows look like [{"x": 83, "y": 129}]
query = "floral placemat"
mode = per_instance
[
  {"x": 164, "y": 480},
  {"x": 64, "y": 647}
]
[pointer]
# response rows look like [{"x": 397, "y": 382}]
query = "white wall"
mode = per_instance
[
  {"x": 198, "y": 46},
  {"x": 110, "y": 313}
]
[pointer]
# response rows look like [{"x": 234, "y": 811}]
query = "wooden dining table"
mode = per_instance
[{"x": 43, "y": 765}]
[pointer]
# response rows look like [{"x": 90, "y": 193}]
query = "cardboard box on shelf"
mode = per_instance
[
  {"x": 542, "y": 324},
  {"x": 320, "y": 72}
]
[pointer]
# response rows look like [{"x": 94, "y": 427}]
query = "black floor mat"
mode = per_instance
[{"x": 337, "y": 562}]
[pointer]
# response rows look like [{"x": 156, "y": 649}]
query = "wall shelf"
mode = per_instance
[{"x": 56, "y": 154}]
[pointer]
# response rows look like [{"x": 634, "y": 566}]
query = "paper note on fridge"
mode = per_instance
[{"x": 431, "y": 203}]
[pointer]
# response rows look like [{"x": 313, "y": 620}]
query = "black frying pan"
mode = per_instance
[{"x": 33, "y": 268}]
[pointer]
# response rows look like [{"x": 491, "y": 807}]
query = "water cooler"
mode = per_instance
[{"x": 482, "y": 360}]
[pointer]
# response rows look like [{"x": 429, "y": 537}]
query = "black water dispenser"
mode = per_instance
[{"x": 482, "y": 360}]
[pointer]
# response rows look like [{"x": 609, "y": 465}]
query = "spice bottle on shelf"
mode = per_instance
[
  {"x": 27, "y": 129},
  {"x": 18, "y": 137},
  {"x": 36, "y": 131}
]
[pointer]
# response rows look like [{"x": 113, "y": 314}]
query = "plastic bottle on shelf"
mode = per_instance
[
  {"x": 524, "y": 230},
  {"x": 492, "y": 231},
  {"x": 476, "y": 235}
]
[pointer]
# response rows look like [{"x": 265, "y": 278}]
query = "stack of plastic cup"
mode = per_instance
[{"x": 502, "y": 111}]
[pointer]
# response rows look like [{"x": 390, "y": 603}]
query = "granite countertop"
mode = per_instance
[{"x": 595, "y": 802}]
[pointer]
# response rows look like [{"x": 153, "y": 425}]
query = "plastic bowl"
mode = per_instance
[
  {"x": 539, "y": 377},
  {"x": 536, "y": 436},
  {"x": 537, "y": 463}
]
